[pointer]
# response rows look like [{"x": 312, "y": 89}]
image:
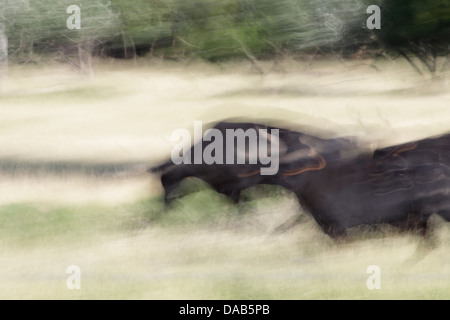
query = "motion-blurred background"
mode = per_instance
[{"x": 219, "y": 30}]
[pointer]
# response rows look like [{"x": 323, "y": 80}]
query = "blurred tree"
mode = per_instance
[
  {"x": 144, "y": 26},
  {"x": 99, "y": 22},
  {"x": 417, "y": 28},
  {"x": 41, "y": 26},
  {"x": 328, "y": 25},
  {"x": 258, "y": 28},
  {"x": 3, "y": 55},
  {"x": 221, "y": 29},
  {"x": 11, "y": 29}
]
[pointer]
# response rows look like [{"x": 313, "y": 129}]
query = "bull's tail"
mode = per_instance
[{"x": 161, "y": 167}]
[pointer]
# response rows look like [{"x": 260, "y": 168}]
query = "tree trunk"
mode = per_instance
[
  {"x": 85, "y": 50},
  {"x": 3, "y": 55}
]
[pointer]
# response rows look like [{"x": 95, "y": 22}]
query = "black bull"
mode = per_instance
[
  {"x": 401, "y": 185},
  {"x": 298, "y": 152}
]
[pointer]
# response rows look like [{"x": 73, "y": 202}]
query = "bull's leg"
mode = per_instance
[
  {"x": 334, "y": 231},
  {"x": 444, "y": 214},
  {"x": 168, "y": 196},
  {"x": 171, "y": 180},
  {"x": 428, "y": 241},
  {"x": 235, "y": 196},
  {"x": 418, "y": 222},
  {"x": 290, "y": 223}
]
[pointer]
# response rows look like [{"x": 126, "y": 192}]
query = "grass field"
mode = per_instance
[{"x": 74, "y": 188}]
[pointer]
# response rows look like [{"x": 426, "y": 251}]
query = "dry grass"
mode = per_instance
[{"x": 204, "y": 248}]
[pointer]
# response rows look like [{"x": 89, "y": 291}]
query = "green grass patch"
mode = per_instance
[{"x": 33, "y": 225}]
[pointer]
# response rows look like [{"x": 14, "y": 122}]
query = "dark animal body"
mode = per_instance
[
  {"x": 298, "y": 152},
  {"x": 400, "y": 185},
  {"x": 338, "y": 184}
]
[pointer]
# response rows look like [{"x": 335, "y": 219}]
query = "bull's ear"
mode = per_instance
[
  {"x": 406, "y": 147},
  {"x": 319, "y": 164},
  {"x": 296, "y": 156},
  {"x": 282, "y": 146},
  {"x": 306, "y": 140}
]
